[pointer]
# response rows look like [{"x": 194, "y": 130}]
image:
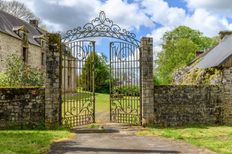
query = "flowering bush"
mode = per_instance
[{"x": 19, "y": 74}]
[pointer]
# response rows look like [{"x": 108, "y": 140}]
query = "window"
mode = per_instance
[
  {"x": 25, "y": 55},
  {"x": 42, "y": 59}
]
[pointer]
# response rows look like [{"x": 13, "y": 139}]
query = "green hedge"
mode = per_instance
[{"x": 127, "y": 90}]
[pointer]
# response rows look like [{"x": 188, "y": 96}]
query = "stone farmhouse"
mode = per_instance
[
  {"x": 208, "y": 67},
  {"x": 24, "y": 39},
  {"x": 29, "y": 42}
]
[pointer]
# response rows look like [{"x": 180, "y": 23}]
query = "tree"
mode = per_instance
[
  {"x": 179, "y": 48},
  {"x": 101, "y": 73},
  {"x": 17, "y": 9}
]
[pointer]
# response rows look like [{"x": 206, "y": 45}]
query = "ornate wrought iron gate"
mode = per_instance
[
  {"x": 125, "y": 83},
  {"x": 78, "y": 98}
]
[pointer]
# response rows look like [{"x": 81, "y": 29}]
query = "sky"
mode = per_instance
[{"x": 143, "y": 17}]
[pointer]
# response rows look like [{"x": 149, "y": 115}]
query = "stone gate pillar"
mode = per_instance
[
  {"x": 147, "y": 85},
  {"x": 52, "y": 84}
]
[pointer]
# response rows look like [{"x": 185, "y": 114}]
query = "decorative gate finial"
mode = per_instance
[{"x": 100, "y": 27}]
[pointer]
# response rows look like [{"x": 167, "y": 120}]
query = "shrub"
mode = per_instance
[
  {"x": 3, "y": 79},
  {"x": 19, "y": 74},
  {"x": 127, "y": 90}
]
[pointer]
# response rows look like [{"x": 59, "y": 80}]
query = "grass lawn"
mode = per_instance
[
  {"x": 215, "y": 138},
  {"x": 29, "y": 141},
  {"x": 102, "y": 102}
]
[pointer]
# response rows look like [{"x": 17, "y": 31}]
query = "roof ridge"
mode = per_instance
[{"x": 8, "y": 21}]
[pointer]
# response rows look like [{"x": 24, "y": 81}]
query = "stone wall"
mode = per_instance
[
  {"x": 186, "y": 105},
  {"x": 226, "y": 95},
  {"x": 21, "y": 107}
]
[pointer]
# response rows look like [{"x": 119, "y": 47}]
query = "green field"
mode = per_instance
[
  {"x": 215, "y": 138},
  {"x": 102, "y": 102},
  {"x": 29, "y": 142}
]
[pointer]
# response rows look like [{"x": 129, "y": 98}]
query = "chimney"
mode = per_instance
[
  {"x": 198, "y": 53},
  {"x": 34, "y": 22}
]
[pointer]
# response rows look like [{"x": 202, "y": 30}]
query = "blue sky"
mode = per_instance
[{"x": 143, "y": 17}]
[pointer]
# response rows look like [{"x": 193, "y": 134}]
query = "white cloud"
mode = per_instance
[
  {"x": 200, "y": 17},
  {"x": 222, "y": 7},
  {"x": 125, "y": 14},
  {"x": 163, "y": 14},
  {"x": 208, "y": 16},
  {"x": 206, "y": 22},
  {"x": 72, "y": 13}
]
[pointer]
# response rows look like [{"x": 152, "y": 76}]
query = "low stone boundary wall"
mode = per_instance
[
  {"x": 21, "y": 107},
  {"x": 186, "y": 105}
]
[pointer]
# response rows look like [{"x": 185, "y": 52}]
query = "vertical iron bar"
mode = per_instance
[
  {"x": 93, "y": 82},
  {"x": 60, "y": 84},
  {"x": 111, "y": 76}
]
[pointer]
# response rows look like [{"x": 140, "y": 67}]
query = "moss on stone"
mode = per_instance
[{"x": 202, "y": 76}]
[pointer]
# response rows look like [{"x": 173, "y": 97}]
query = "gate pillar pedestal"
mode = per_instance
[
  {"x": 147, "y": 85},
  {"x": 52, "y": 84}
]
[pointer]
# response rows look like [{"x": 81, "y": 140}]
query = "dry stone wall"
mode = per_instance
[
  {"x": 226, "y": 95},
  {"x": 20, "y": 107},
  {"x": 187, "y": 105}
]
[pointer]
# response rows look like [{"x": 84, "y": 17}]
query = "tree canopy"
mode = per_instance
[
  {"x": 101, "y": 73},
  {"x": 17, "y": 9},
  {"x": 179, "y": 48}
]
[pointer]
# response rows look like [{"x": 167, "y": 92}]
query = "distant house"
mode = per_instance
[
  {"x": 24, "y": 39},
  {"x": 208, "y": 67}
]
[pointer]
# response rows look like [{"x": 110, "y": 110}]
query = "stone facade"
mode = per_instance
[
  {"x": 186, "y": 105},
  {"x": 10, "y": 45},
  {"x": 22, "y": 107},
  {"x": 147, "y": 85}
]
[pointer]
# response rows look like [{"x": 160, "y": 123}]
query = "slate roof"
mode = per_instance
[
  {"x": 218, "y": 55},
  {"x": 8, "y": 22}
]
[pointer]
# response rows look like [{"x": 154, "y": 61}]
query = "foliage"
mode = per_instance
[
  {"x": 3, "y": 80},
  {"x": 127, "y": 90},
  {"x": 190, "y": 75},
  {"x": 19, "y": 74},
  {"x": 17, "y": 9},
  {"x": 179, "y": 48},
  {"x": 202, "y": 76},
  {"x": 54, "y": 41},
  {"x": 216, "y": 138},
  {"x": 156, "y": 80},
  {"x": 29, "y": 142},
  {"x": 101, "y": 73}
]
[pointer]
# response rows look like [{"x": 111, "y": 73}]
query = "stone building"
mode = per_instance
[
  {"x": 201, "y": 93},
  {"x": 208, "y": 67},
  {"x": 24, "y": 39},
  {"x": 30, "y": 42}
]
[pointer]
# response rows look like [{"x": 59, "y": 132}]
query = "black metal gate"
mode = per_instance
[
  {"x": 78, "y": 98},
  {"x": 125, "y": 83}
]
